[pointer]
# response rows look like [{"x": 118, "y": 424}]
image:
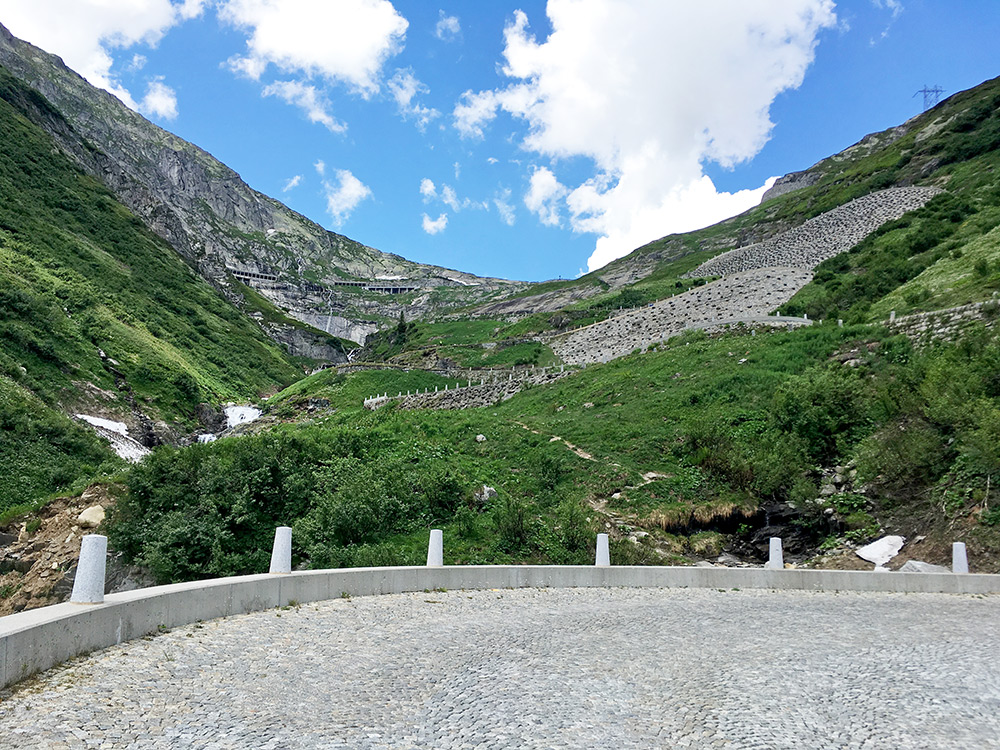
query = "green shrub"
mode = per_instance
[{"x": 510, "y": 522}]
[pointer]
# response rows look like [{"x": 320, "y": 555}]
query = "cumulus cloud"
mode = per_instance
[
  {"x": 448, "y": 27},
  {"x": 293, "y": 183},
  {"x": 320, "y": 167},
  {"x": 435, "y": 226},
  {"x": 676, "y": 85},
  {"x": 89, "y": 31},
  {"x": 543, "y": 196},
  {"x": 404, "y": 87},
  {"x": 160, "y": 100},
  {"x": 344, "y": 195},
  {"x": 307, "y": 98},
  {"x": 347, "y": 41}
]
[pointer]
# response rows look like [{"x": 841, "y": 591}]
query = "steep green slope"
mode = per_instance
[
  {"x": 947, "y": 253},
  {"x": 43, "y": 451},
  {"x": 95, "y": 310}
]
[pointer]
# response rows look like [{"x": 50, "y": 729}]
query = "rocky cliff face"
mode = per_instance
[{"x": 214, "y": 219}]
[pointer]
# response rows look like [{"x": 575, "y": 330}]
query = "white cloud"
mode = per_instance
[
  {"x": 435, "y": 226},
  {"x": 447, "y": 195},
  {"x": 428, "y": 190},
  {"x": 449, "y": 198},
  {"x": 320, "y": 167},
  {"x": 624, "y": 227},
  {"x": 88, "y": 31},
  {"x": 404, "y": 86},
  {"x": 344, "y": 196},
  {"x": 138, "y": 63},
  {"x": 347, "y": 41},
  {"x": 503, "y": 206},
  {"x": 293, "y": 183},
  {"x": 543, "y": 196},
  {"x": 307, "y": 98},
  {"x": 160, "y": 100},
  {"x": 675, "y": 85},
  {"x": 191, "y": 8},
  {"x": 448, "y": 27},
  {"x": 474, "y": 112},
  {"x": 894, "y": 6}
]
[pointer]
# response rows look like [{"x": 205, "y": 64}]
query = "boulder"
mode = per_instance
[
  {"x": 484, "y": 495},
  {"x": 92, "y": 517},
  {"x": 480, "y": 438}
]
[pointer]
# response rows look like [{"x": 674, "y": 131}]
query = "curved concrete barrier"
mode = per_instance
[{"x": 38, "y": 639}]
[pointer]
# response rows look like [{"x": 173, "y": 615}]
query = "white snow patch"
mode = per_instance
[
  {"x": 120, "y": 427},
  {"x": 116, "y": 433},
  {"x": 389, "y": 278},
  {"x": 240, "y": 414},
  {"x": 881, "y": 550}
]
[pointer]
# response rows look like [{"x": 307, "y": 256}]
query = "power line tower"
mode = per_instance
[{"x": 931, "y": 96}]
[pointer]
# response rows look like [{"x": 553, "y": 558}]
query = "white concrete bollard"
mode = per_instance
[
  {"x": 959, "y": 558},
  {"x": 88, "y": 586},
  {"x": 281, "y": 552},
  {"x": 435, "y": 549},
  {"x": 603, "y": 559},
  {"x": 775, "y": 560},
  {"x": 892, "y": 316}
]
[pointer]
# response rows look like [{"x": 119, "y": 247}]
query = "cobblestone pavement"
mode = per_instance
[{"x": 541, "y": 668}]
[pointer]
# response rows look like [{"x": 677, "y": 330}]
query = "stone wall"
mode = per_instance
[
  {"x": 473, "y": 396},
  {"x": 945, "y": 325},
  {"x": 822, "y": 237}
]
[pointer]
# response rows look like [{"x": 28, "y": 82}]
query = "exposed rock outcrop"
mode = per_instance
[{"x": 208, "y": 214}]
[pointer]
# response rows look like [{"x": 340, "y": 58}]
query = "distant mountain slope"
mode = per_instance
[
  {"x": 952, "y": 147},
  {"x": 221, "y": 225}
]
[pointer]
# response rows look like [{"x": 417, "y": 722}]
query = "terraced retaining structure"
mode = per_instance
[
  {"x": 822, "y": 237},
  {"x": 38, "y": 639},
  {"x": 741, "y": 296}
]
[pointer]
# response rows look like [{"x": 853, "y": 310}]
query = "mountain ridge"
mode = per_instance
[{"x": 219, "y": 223}]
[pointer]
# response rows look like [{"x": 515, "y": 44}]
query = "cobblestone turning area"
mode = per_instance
[{"x": 541, "y": 668}]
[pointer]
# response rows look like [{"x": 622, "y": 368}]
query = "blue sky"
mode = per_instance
[{"x": 530, "y": 140}]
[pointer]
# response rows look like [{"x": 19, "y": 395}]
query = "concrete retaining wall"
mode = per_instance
[{"x": 38, "y": 639}]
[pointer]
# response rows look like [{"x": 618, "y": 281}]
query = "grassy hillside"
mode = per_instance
[
  {"x": 698, "y": 445},
  {"x": 43, "y": 451},
  {"x": 95, "y": 309},
  {"x": 691, "y": 444},
  {"x": 842, "y": 433}
]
